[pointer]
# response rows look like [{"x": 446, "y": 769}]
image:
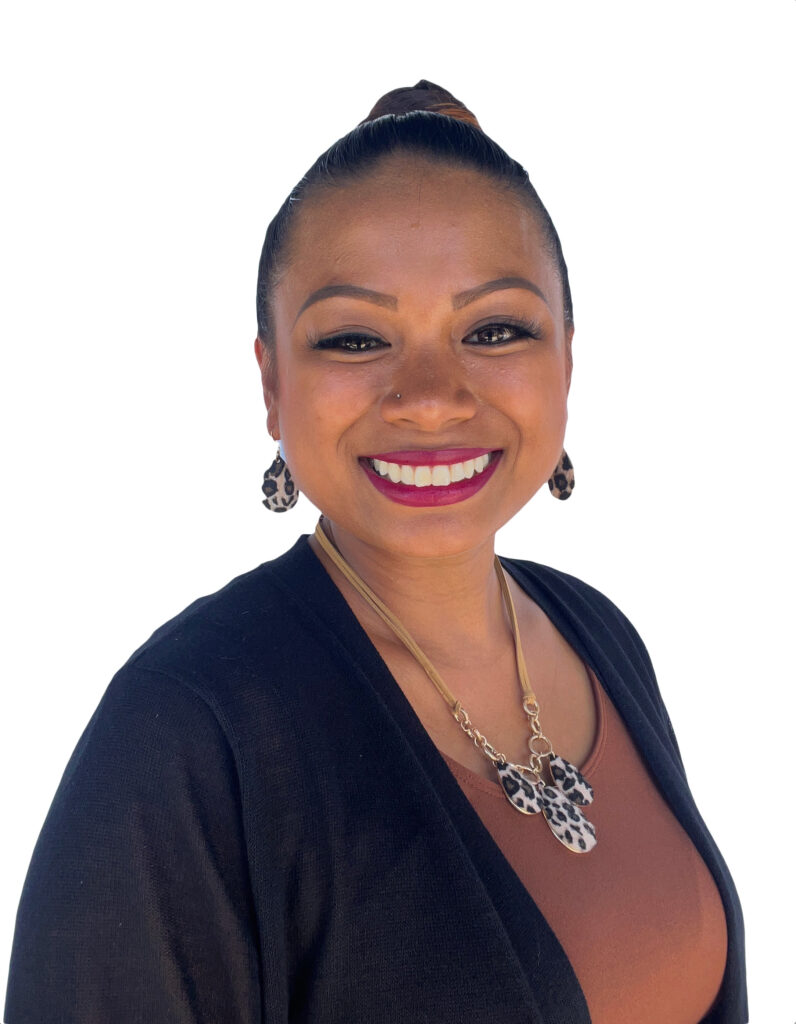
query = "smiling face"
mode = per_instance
[{"x": 429, "y": 283}]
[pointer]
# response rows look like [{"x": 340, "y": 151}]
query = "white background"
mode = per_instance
[{"x": 147, "y": 147}]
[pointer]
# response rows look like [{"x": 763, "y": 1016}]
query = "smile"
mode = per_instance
[
  {"x": 431, "y": 476},
  {"x": 428, "y": 478}
]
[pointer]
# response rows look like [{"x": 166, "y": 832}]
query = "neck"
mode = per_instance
[{"x": 450, "y": 604}]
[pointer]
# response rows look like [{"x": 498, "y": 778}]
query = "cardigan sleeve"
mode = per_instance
[{"x": 137, "y": 903}]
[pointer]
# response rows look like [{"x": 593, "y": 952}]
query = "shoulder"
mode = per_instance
[
  {"x": 188, "y": 696},
  {"x": 244, "y": 661},
  {"x": 603, "y": 634},
  {"x": 219, "y": 637},
  {"x": 572, "y": 595},
  {"x": 265, "y": 594}
]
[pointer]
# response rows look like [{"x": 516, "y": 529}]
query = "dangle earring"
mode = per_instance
[
  {"x": 279, "y": 489},
  {"x": 562, "y": 482}
]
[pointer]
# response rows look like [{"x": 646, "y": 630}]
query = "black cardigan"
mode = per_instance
[{"x": 255, "y": 827}]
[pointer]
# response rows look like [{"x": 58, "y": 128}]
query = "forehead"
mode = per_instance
[{"x": 415, "y": 228}]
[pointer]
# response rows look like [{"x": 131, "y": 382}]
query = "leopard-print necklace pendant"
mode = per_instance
[
  {"x": 564, "y": 818},
  {"x": 567, "y": 822},
  {"x": 522, "y": 792},
  {"x": 561, "y": 804},
  {"x": 571, "y": 783}
]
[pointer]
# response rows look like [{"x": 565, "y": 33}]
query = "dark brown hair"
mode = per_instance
[
  {"x": 423, "y": 96},
  {"x": 424, "y": 119}
]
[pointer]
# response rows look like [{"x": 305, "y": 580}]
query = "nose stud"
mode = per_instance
[{"x": 397, "y": 394}]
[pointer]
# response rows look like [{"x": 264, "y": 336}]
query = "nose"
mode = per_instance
[{"x": 430, "y": 393}]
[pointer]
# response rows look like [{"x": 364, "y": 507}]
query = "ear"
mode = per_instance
[
  {"x": 570, "y": 330},
  {"x": 264, "y": 355}
]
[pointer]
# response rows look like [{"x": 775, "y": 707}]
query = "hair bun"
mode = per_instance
[{"x": 423, "y": 96}]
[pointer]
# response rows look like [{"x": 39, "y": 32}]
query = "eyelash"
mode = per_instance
[
  {"x": 336, "y": 342},
  {"x": 522, "y": 329},
  {"x": 367, "y": 343}
]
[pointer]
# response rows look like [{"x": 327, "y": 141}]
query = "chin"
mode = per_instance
[
  {"x": 424, "y": 533},
  {"x": 439, "y": 531}
]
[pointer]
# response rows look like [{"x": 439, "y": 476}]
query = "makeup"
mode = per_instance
[{"x": 442, "y": 476}]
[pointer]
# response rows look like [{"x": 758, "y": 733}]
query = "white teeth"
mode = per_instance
[{"x": 431, "y": 476}]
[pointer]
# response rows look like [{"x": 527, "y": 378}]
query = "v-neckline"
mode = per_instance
[
  {"x": 601, "y": 636},
  {"x": 536, "y": 947}
]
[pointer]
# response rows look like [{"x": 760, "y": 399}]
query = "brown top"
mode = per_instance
[{"x": 639, "y": 917}]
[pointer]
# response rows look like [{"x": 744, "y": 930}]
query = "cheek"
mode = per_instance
[
  {"x": 533, "y": 391},
  {"x": 535, "y": 401},
  {"x": 317, "y": 412}
]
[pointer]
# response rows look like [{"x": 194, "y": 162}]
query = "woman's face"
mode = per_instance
[{"x": 431, "y": 284}]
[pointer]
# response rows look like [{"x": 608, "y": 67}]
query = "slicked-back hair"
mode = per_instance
[{"x": 455, "y": 141}]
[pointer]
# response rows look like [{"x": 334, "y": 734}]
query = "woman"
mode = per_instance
[{"x": 385, "y": 777}]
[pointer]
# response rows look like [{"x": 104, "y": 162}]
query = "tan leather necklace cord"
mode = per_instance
[
  {"x": 523, "y": 785},
  {"x": 405, "y": 637}
]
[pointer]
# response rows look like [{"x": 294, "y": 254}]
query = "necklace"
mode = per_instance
[{"x": 523, "y": 785}]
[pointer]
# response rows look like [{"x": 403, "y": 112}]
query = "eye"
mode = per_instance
[
  {"x": 349, "y": 343},
  {"x": 503, "y": 333}
]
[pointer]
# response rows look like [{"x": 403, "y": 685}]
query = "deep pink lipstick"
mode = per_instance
[{"x": 443, "y": 476}]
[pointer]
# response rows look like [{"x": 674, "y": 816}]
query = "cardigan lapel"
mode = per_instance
[{"x": 594, "y": 629}]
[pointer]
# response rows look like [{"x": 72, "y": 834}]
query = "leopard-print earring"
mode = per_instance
[
  {"x": 279, "y": 489},
  {"x": 562, "y": 482}
]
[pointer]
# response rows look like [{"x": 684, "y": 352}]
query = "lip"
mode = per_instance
[
  {"x": 427, "y": 497},
  {"x": 431, "y": 457}
]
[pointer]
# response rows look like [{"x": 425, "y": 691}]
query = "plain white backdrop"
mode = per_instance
[{"x": 146, "y": 148}]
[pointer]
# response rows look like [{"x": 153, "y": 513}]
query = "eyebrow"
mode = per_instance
[
  {"x": 461, "y": 299},
  {"x": 499, "y": 284},
  {"x": 351, "y": 291}
]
